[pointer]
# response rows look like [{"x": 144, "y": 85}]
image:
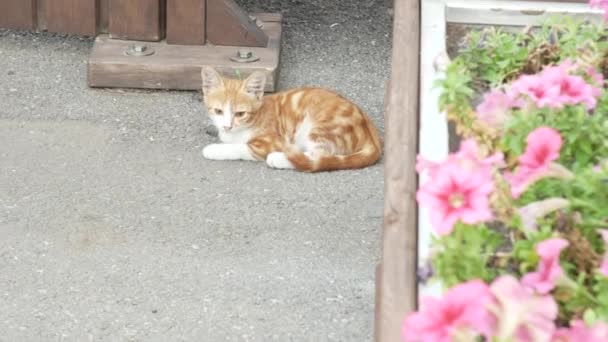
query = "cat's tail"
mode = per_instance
[{"x": 367, "y": 156}]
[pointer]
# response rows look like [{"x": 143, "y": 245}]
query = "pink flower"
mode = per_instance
[
  {"x": 604, "y": 265},
  {"x": 549, "y": 270},
  {"x": 461, "y": 310},
  {"x": 533, "y": 86},
  {"x": 459, "y": 188},
  {"x": 522, "y": 315},
  {"x": 580, "y": 332},
  {"x": 603, "y": 4},
  {"x": 543, "y": 145},
  {"x": 468, "y": 157},
  {"x": 555, "y": 87},
  {"x": 495, "y": 108},
  {"x": 455, "y": 194}
]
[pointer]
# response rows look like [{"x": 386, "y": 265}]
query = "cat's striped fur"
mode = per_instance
[{"x": 309, "y": 129}]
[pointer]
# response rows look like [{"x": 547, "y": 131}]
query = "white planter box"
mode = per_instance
[{"x": 433, "y": 138}]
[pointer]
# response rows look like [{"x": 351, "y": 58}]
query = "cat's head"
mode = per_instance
[{"x": 231, "y": 103}]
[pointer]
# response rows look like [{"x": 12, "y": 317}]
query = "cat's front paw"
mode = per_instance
[
  {"x": 278, "y": 160},
  {"x": 214, "y": 152}
]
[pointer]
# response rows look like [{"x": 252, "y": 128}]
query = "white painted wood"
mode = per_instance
[
  {"x": 514, "y": 13},
  {"x": 433, "y": 136}
]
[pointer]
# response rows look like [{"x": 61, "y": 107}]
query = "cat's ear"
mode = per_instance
[
  {"x": 211, "y": 79},
  {"x": 255, "y": 83}
]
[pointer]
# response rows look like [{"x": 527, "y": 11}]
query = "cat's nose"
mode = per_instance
[{"x": 227, "y": 128}]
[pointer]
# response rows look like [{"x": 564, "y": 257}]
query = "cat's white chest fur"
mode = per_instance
[{"x": 241, "y": 136}]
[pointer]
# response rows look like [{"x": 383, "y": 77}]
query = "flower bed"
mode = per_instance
[{"x": 521, "y": 209}]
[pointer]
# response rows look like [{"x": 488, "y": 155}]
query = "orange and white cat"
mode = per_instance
[{"x": 308, "y": 129}]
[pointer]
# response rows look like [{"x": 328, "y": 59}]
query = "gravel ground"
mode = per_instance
[{"x": 114, "y": 228}]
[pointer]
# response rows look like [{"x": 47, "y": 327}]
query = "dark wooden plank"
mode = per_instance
[
  {"x": 186, "y": 22},
  {"x": 135, "y": 20},
  {"x": 104, "y": 15},
  {"x": 18, "y": 14},
  {"x": 177, "y": 66},
  {"x": 228, "y": 24},
  {"x": 71, "y": 16},
  {"x": 398, "y": 293}
]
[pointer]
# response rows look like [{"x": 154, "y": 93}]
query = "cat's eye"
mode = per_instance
[
  {"x": 218, "y": 111},
  {"x": 239, "y": 114}
]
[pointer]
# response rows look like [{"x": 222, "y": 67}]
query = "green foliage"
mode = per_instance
[
  {"x": 585, "y": 136},
  {"x": 494, "y": 55},
  {"x": 490, "y": 59},
  {"x": 456, "y": 90},
  {"x": 524, "y": 250},
  {"x": 466, "y": 254},
  {"x": 600, "y": 291}
]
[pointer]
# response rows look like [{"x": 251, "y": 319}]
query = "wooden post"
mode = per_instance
[
  {"x": 18, "y": 14},
  {"x": 396, "y": 276},
  {"x": 135, "y": 19},
  {"x": 104, "y": 16},
  {"x": 186, "y": 22},
  {"x": 71, "y": 16}
]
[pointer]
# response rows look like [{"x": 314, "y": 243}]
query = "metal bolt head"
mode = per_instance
[
  {"x": 139, "y": 50},
  {"x": 244, "y": 56},
  {"x": 245, "y": 53}
]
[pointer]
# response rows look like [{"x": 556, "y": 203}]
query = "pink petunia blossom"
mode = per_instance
[
  {"x": 535, "y": 88},
  {"x": 522, "y": 315},
  {"x": 461, "y": 310},
  {"x": 495, "y": 108},
  {"x": 603, "y": 4},
  {"x": 543, "y": 145},
  {"x": 542, "y": 149},
  {"x": 459, "y": 187},
  {"x": 580, "y": 332},
  {"x": 455, "y": 194},
  {"x": 573, "y": 89},
  {"x": 604, "y": 265},
  {"x": 549, "y": 270},
  {"x": 468, "y": 157},
  {"x": 555, "y": 87}
]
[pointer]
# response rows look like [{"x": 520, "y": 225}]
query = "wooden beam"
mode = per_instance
[
  {"x": 397, "y": 276},
  {"x": 177, "y": 66},
  {"x": 186, "y": 22},
  {"x": 228, "y": 24},
  {"x": 71, "y": 16},
  {"x": 18, "y": 14},
  {"x": 135, "y": 20}
]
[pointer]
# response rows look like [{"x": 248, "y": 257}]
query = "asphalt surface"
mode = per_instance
[{"x": 114, "y": 228}]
